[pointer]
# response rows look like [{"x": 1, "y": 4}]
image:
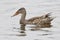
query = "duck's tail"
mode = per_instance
[
  {"x": 51, "y": 18},
  {"x": 46, "y": 15}
]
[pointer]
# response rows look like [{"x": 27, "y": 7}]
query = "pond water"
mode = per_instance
[{"x": 10, "y": 27}]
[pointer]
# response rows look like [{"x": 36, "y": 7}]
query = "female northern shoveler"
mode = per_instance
[{"x": 42, "y": 21}]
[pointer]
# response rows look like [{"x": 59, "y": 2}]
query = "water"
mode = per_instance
[{"x": 10, "y": 28}]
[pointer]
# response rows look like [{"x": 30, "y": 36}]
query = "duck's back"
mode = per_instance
[{"x": 40, "y": 20}]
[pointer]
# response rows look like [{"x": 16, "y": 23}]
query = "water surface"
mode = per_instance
[{"x": 10, "y": 28}]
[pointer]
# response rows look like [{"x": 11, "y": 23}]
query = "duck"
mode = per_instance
[{"x": 40, "y": 21}]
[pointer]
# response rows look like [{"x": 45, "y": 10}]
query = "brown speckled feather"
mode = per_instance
[
  {"x": 38, "y": 18},
  {"x": 44, "y": 20}
]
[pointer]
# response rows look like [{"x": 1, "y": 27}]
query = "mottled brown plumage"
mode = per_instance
[{"x": 42, "y": 21}]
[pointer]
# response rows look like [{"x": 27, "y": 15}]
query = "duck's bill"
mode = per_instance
[{"x": 16, "y": 14}]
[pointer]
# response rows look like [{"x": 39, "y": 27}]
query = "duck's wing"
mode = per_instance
[
  {"x": 32, "y": 19},
  {"x": 42, "y": 17}
]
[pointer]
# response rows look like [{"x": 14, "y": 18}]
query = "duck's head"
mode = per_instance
[{"x": 20, "y": 11}]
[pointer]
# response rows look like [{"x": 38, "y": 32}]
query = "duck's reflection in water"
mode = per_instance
[
  {"x": 21, "y": 33},
  {"x": 42, "y": 32},
  {"x": 18, "y": 34},
  {"x": 35, "y": 28}
]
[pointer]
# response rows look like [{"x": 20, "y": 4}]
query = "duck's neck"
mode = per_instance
[{"x": 22, "y": 21}]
